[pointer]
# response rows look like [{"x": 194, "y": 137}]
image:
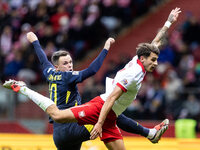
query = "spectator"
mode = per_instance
[
  {"x": 191, "y": 108},
  {"x": 60, "y": 19},
  {"x": 13, "y": 67},
  {"x": 6, "y": 40}
]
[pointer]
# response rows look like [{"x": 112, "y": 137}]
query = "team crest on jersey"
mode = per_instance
[
  {"x": 75, "y": 72},
  {"x": 81, "y": 114},
  {"x": 124, "y": 82}
]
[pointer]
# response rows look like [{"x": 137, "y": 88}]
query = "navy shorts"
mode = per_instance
[{"x": 69, "y": 135}]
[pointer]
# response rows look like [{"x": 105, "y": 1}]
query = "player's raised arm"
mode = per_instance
[
  {"x": 159, "y": 40},
  {"x": 97, "y": 63},
  {"x": 108, "y": 43},
  {"x": 31, "y": 37}
]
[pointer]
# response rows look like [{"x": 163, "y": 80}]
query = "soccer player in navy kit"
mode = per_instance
[{"x": 64, "y": 92}]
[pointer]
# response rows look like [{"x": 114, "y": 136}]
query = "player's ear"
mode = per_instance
[{"x": 142, "y": 58}]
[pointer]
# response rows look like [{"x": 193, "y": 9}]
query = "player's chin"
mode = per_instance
[{"x": 151, "y": 69}]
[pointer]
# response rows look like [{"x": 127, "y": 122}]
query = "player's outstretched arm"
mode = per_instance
[{"x": 159, "y": 40}]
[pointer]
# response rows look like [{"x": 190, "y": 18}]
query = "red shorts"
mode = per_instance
[{"x": 88, "y": 113}]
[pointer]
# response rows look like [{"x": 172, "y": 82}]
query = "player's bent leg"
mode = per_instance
[
  {"x": 18, "y": 86},
  {"x": 43, "y": 102},
  {"x": 61, "y": 116},
  {"x": 116, "y": 145}
]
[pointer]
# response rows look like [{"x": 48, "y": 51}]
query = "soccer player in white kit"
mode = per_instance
[{"x": 103, "y": 110}]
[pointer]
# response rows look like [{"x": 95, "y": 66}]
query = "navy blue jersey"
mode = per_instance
[{"x": 62, "y": 87}]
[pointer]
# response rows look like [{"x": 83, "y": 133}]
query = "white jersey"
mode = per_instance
[{"x": 129, "y": 80}]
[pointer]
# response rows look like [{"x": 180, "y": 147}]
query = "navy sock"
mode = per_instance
[{"x": 131, "y": 126}]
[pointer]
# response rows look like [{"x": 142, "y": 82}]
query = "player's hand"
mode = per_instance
[
  {"x": 108, "y": 43},
  {"x": 97, "y": 131},
  {"x": 174, "y": 15},
  {"x": 31, "y": 37}
]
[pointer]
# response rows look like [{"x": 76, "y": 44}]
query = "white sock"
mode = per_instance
[
  {"x": 151, "y": 134},
  {"x": 42, "y": 101}
]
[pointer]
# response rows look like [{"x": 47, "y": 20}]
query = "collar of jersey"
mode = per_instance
[{"x": 140, "y": 63}]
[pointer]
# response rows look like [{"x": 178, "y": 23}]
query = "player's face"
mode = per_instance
[
  {"x": 150, "y": 63},
  {"x": 65, "y": 63}
]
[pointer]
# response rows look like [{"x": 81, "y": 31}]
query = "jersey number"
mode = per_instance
[{"x": 53, "y": 93}]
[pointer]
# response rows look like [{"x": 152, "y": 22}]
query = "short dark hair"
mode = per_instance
[
  {"x": 56, "y": 55},
  {"x": 145, "y": 49}
]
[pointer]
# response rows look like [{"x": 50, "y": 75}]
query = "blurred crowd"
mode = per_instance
[
  {"x": 79, "y": 26},
  {"x": 75, "y": 25}
]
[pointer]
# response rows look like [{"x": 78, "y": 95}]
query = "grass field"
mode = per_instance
[{"x": 45, "y": 142}]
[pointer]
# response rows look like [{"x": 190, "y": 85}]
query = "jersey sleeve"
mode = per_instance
[
  {"x": 41, "y": 56},
  {"x": 128, "y": 78},
  {"x": 123, "y": 84}
]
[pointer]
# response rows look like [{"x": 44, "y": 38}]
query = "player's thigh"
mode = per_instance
[
  {"x": 116, "y": 145},
  {"x": 67, "y": 115}
]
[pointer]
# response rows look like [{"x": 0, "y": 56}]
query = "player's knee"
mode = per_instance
[
  {"x": 57, "y": 118},
  {"x": 63, "y": 116},
  {"x": 55, "y": 113}
]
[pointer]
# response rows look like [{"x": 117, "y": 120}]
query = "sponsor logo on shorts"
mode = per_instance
[{"x": 81, "y": 114}]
